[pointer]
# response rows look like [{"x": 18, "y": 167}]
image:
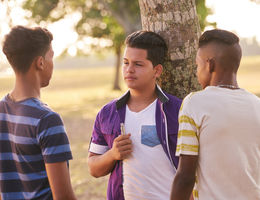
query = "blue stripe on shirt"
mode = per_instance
[
  {"x": 22, "y": 177},
  {"x": 19, "y": 119},
  {"x": 56, "y": 149},
  {"x": 52, "y": 131},
  {"x": 24, "y": 195},
  {"x": 17, "y": 139},
  {"x": 20, "y": 158},
  {"x": 33, "y": 103}
]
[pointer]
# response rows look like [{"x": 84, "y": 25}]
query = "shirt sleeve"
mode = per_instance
[
  {"x": 53, "y": 139},
  {"x": 187, "y": 142},
  {"x": 98, "y": 143}
]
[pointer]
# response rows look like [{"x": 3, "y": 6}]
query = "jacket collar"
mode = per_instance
[{"x": 123, "y": 99}]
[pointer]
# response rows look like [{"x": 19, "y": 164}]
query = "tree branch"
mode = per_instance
[{"x": 123, "y": 18}]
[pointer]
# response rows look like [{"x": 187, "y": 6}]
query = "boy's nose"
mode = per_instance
[{"x": 130, "y": 68}]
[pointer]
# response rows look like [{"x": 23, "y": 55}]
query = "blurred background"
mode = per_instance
[{"x": 88, "y": 46}]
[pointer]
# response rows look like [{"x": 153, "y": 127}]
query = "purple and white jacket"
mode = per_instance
[{"x": 107, "y": 128}]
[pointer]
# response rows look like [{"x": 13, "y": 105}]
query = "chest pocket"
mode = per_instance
[{"x": 149, "y": 135}]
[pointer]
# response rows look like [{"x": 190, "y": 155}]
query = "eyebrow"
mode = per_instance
[{"x": 135, "y": 60}]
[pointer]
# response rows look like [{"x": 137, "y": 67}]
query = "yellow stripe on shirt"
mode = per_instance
[
  {"x": 186, "y": 119},
  {"x": 186, "y": 133},
  {"x": 195, "y": 194},
  {"x": 187, "y": 147},
  {"x": 181, "y": 106}
]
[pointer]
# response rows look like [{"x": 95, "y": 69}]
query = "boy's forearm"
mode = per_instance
[
  {"x": 101, "y": 165},
  {"x": 182, "y": 187},
  {"x": 59, "y": 179}
]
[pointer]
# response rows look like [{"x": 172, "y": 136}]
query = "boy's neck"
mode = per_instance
[
  {"x": 141, "y": 99},
  {"x": 224, "y": 79},
  {"x": 25, "y": 87}
]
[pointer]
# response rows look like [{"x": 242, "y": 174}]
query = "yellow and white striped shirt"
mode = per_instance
[
  {"x": 188, "y": 141},
  {"x": 222, "y": 127}
]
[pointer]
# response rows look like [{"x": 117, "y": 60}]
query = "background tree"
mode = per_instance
[
  {"x": 110, "y": 19},
  {"x": 177, "y": 23},
  {"x": 202, "y": 12}
]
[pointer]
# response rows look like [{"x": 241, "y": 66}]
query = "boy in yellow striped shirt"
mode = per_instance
[{"x": 219, "y": 138}]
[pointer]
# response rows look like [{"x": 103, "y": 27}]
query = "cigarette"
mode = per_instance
[{"x": 122, "y": 127}]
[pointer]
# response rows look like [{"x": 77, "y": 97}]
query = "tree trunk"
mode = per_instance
[
  {"x": 176, "y": 21},
  {"x": 118, "y": 64}
]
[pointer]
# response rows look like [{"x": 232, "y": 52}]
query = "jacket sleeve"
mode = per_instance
[{"x": 98, "y": 143}]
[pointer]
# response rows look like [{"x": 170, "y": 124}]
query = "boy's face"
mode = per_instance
[
  {"x": 139, "y": 72},
  {"x": 203, "y": 72},
  {"x": 48, "y": 67}
]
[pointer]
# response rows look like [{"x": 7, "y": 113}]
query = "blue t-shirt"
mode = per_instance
[{"x": 31, "y": 134}]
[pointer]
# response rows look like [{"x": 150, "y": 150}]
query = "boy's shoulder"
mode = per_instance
[
  {"x": 173, "y": 98},
  {"x": 173, "y": 101},
  {"x": 109, "y": 106},
  {"x": 197, "y": 95},
  {"x": 108, "y": 109},
  {"x": 39, "y": 108},
  {"x": 194, "y": 100},
  {"x": 117, "y": 103},
  {"x": 31, "y": 107}
]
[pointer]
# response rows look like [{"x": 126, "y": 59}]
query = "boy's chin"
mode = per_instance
[{"x": 45, "y": 84}]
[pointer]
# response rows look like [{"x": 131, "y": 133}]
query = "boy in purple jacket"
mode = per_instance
[{"x": 134, "y": 137}]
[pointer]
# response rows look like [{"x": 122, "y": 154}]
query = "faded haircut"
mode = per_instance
[{"x": 218, "y": 36}]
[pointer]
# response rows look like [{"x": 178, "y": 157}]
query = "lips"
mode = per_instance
[{"x": 130, "y": 78}]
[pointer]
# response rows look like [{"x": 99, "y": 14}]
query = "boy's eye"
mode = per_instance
[{"x": 138, "y": 64}]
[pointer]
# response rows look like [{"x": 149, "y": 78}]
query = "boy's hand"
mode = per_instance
[
  {"x": 122, "y": 147},
  {"x": 103, "y": 164}
]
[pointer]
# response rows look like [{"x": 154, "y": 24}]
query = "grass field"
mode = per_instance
[
  {"x": 78, "y": 94},
  {"x": 249, "y": 74}
]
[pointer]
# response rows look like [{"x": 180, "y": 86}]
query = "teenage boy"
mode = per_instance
[
  {"x": 219, "y": 131},
  {"x": 34, "y": 148},
  {"x": 134, "y": 137}
]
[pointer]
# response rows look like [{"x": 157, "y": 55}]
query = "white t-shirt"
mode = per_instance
[
  {"x": 148, "y": 173},
  {"x": 222, "y": 127}
]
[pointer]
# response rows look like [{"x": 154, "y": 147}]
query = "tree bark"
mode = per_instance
[
  {"x": 118, "y": 64},
  {"x": 176, "y": 21}
]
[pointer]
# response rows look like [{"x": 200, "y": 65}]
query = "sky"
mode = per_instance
[{"x": 240, "y": 16}]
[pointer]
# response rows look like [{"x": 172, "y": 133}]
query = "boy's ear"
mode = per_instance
[
  {"x": 158, "y": 70},
  {"x": 39, "y": 63},
  {"x": 212, "y": 65}
]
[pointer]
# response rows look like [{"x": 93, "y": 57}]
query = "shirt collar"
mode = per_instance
[{"x": 124, "y": 98}]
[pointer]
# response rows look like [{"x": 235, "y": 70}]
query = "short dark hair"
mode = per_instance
[
  {"x": 23, "y": 44},
  {"x": 150, "y": 41},
  {"x": 219, "y": 36}
]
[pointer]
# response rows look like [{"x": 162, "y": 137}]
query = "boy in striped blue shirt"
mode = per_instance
[{"x": 34, "y": 148}]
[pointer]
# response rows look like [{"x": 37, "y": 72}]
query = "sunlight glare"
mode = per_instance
[{"x": 240, "y": 16}]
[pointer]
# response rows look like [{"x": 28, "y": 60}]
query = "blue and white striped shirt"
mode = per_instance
[{"x": 31, "y": 134}]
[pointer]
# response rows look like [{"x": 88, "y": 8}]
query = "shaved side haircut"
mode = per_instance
[{"x": 227, "y": 45}]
